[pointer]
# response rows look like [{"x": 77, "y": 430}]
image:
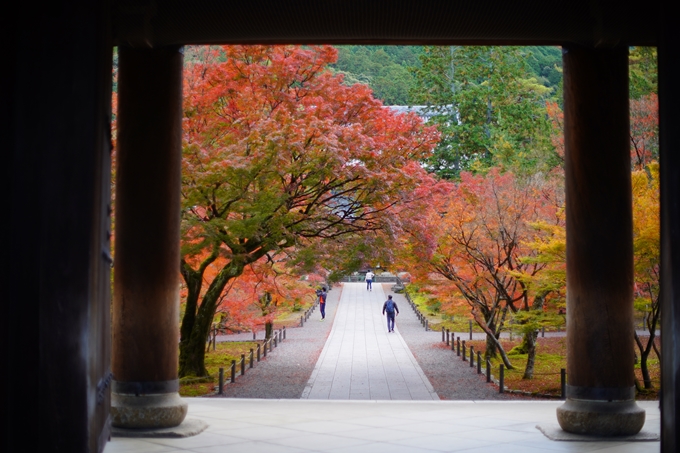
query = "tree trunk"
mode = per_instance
[
  {"x": 268, "y": 330},
  {"x": 529, "y": 342},
  {"x": 504, "y": 356},
  {"x": 646, "y": 350},
  {"x": 490, "y": 335},
  {"x": 530, "y": 345},
  {"x": 192, "y": 350},
  {"x": 646, "y": 379},
  {"x": 195, "y": 332},
  {"x": 491, "y": 349},
  {"x": 644, "y": 354}
]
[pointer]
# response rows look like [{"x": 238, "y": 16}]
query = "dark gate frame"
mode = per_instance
[{"x": 55, "y": 125}]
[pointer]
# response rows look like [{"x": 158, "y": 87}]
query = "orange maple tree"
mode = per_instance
[
  {"x": 646, "y": 248},
  {"x": 644, "y": 131},
  {"x": 476, "y": 235},
  {"x": 279, "y": 153}
]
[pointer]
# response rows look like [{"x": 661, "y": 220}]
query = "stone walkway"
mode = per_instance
[
  {"x": 361, "y": 360},
  {"x": 309, "y": 426}
]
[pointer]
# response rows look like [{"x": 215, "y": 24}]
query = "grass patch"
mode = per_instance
[
  {"x": 551, "y": 357},
  {"x": 459, "y": 325},
  {"x": 214, "y": 360},
  {"x": 457, "y": 322}
]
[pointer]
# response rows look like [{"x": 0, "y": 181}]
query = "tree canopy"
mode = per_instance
[
  {"x": 476, "y": 236},
  {"x": 278, "y": 152},
  {"x": 489, "y": 107}
]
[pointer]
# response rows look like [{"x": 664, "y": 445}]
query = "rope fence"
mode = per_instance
[
  {"x": 460, "y": 349},
  {"x": 255, "y": 355},
  {"x": 421, "y": 317}
]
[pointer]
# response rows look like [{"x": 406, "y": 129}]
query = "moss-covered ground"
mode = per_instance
[
  {"x": 551, "y": 357},
  {"x": 221, "y": 357}
]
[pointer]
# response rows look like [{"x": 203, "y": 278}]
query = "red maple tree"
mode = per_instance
[{"x": 279, "y": 153}]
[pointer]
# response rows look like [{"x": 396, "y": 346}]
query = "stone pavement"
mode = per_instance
[
  {"x": 361, "y": 360},
  {"x": 298, "y": 426}
]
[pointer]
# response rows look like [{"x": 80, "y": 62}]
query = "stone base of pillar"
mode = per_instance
[
  {"x": 601, "y": 418},
  {"x": 164, "y": 410}
]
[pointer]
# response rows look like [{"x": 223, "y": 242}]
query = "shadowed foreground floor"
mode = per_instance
[{"x": 282, "y": 426}]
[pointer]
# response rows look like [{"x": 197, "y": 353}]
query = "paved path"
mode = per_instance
[{"x": 361, "y": 360}]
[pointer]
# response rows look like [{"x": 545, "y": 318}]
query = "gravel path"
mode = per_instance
[
  {"x": 286, "y": 370},
  {"x": 451, "y": 378}
]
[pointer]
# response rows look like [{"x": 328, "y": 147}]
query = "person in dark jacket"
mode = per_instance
[
  {"x": 322, "y": 294},
  {"x": 390, "y": 307}
]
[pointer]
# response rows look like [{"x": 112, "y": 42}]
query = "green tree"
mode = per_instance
[
  {"x": 489, "y": 108},
  {"x": 643, "y": 71},
  {"x": 546, "y": 64},
  {"x": 383, "y": 68}
]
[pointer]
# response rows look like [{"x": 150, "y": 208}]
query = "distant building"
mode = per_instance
[{"x": 420, "y": 110}]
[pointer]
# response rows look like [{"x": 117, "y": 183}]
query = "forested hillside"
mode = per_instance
[
  {"x": 384, "y": 68},
  {"x": 389, "y": 70}
]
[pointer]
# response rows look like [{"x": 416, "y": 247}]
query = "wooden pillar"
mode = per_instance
[
  {"x": 669, "y": 132},
  {"x": 147, "y": 256},
  {"x": 600, "y": 355},
  {"x": 55, "y": 100}
]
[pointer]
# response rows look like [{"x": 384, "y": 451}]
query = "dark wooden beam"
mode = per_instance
[
  {"x": 56, "y": 143},
  {"x": 497, "y": 22},
  {"x": 669, "y": 131}
]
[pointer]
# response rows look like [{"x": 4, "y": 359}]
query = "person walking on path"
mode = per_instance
[
  {"x": 369, "y": 280},
  {"x": 322, "y": 301},
  {"x": 390, "y": 307}
]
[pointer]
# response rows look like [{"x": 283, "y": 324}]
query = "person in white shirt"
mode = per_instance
[{"x": 369, "y": 280}]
